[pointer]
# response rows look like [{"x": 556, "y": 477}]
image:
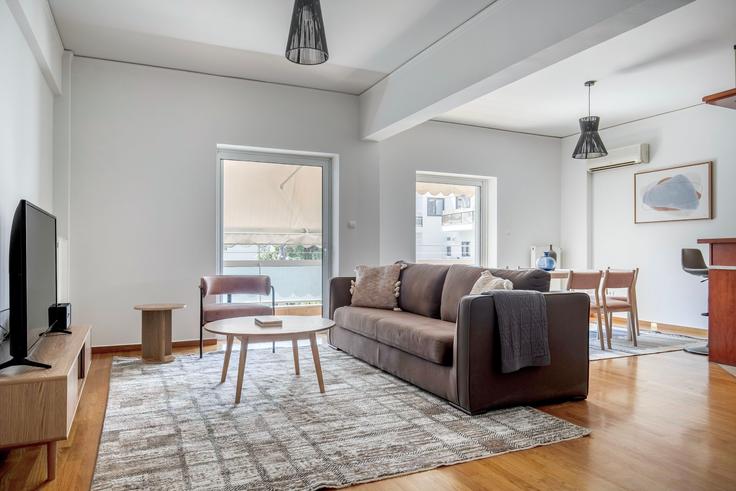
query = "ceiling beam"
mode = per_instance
[
  {"x": 507, "y": 41},
  {"x": 37, "y": 24}
]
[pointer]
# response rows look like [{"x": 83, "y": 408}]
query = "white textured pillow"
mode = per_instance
[{"x": 488, "y": 282}]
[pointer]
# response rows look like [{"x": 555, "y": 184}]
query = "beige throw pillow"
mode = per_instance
[
  {"x": 488, "y": 282},
  {"x": 376, "y": 287}
]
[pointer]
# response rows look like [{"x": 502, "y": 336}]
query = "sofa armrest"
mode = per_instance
[
  {"x": 480, "y": 383},
  {"x": 339, "y": 293}
]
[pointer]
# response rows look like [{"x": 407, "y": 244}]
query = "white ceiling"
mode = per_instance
[
  {"x": 667, "y": 64},
  {"x": 247, "y": 38}
]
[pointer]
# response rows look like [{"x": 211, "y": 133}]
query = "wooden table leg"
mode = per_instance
[
  {"x": 315, "y": 356},
  {"x": 51, "y": 461},
  {"x": 600, "y": 330},
  {"x": 241, "y": 367},
  {"x": 156, "y": 336},
  {"x": 295, "y": 350},
  {"x": 225, "y": 365}
]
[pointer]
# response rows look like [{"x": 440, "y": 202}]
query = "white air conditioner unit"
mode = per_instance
[{"x": 620, "y": 157}]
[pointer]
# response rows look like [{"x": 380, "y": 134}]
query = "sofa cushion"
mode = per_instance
[
  {"x": 376, "y": 287},
  {"x": 460, "y": 280},
  {"x": 421, "y": 289},
  {"x": 430, "y": 339},
  {"x": 360, "y": 320},
  {"x": 488, "y": 282},
  {"x": 525, "y": 279},
  {"x": 217, "y": 311}
]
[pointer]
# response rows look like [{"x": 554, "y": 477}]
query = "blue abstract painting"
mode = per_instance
[{"x": 675, "y": 193}]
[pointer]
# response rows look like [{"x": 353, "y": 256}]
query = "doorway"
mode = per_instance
[{"x": 274, "y": 219}]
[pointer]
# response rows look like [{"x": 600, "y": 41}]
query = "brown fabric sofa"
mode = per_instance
[{"x": 446, "y": 341}]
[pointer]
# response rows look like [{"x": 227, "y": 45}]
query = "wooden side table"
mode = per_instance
[{"x": 156, "y": 331}]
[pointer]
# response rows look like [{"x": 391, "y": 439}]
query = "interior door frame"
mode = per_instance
[
  {"x": 273, "y": 156},
  {"x": 482, "y": 235}
]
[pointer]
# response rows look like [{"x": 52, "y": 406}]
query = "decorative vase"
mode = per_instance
[
  {"x": 552, "y": 253},
  {"x": 546, "y": 262}
]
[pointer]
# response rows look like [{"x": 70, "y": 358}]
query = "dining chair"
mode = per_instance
[
  {"x": 590, "y": 281},
  {"x": 634, "y": 301},
  {"x": 230, "y": 285},
  {"x": 621, "y": 280}
]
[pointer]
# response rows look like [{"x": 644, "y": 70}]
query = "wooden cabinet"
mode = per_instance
[
  {"x": 38, "y": 405},
  {"x": 722, "y": 315},
  {"x": 722, "y": 251},
  {"x": 722, "y": 300}
]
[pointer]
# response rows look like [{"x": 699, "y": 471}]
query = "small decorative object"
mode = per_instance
[
  {"x": 590, "y": 145},
  {"x": 307, "y": 44},
  {"x": 268, "y": 321},
  {"x": 552, "y": 253},
  {"x": 675, "y": 193},
  {"x": 546, "y": 262}
]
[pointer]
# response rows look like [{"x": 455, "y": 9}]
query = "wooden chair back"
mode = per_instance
[
  {"x": 619, "y": 279},
  {"x": 585, "y": 280}
]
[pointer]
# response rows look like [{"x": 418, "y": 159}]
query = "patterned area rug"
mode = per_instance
[
  {"x": 174, "y": 426},
  {"x": 649, "y": 342}
]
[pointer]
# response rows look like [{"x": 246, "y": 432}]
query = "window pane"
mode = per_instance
[
  {"x": 446, "y": 228},
  {"x": 272, "y": 225}
]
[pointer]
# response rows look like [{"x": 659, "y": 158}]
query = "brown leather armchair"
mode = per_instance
[{"x": 230, "y": 285}]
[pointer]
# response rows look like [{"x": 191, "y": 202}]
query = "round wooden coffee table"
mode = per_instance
[
  {"x": 293, "y": 329},
  {"x": 156, "y": 331}
]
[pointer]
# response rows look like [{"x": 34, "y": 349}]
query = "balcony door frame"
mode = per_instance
[
  {"x": 285, "y": 157},
  {"x": 486, "y": 193}
]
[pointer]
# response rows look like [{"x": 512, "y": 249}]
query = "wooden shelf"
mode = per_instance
[{"x": 38, "y": 405}]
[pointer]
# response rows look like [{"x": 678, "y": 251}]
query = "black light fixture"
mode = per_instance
[
  {"x": 590, "y": 145},
  {"x": 307, "y": 44}
]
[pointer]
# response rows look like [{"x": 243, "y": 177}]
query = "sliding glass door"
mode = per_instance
[{"x": 274, "y": 220}]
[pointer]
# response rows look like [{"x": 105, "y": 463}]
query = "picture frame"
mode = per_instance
[{"x": 673, "y": 194}]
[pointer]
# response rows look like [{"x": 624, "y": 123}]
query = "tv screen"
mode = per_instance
[{"x": 32, "y": 276}]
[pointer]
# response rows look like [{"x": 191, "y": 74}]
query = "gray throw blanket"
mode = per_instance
[{"x": 522, "y": 325}]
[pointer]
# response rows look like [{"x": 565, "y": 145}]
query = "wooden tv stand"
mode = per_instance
[{"x": 37, "y": 405}]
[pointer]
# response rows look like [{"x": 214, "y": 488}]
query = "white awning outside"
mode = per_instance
[
  {"x": 272, "y": 204},
  {"x": 440, "y": 189}
]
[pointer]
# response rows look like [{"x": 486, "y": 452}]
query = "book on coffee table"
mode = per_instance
[{"x": 268, "y": 321}]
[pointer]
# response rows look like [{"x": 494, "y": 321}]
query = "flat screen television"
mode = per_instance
[{"x": 32, "y": 285}]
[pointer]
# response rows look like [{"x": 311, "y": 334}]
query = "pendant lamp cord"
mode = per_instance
[{"x": 588, "y": 101}]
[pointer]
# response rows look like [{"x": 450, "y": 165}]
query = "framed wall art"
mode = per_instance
[{"x": 682, "y": 192}]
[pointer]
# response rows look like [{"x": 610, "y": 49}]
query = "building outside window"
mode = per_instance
[
  {"x": 448, "y": 219},
  {"x": 435, "y": 207},
  {"x": 465, "y": 248}
]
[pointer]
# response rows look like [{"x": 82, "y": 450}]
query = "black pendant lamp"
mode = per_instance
[
  {"x": 590, "y": 145},
  {"x": 307, "y": 44}
]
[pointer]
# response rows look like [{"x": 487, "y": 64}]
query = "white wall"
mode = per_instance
[
  {"x": 143, "y": 181},
  {"x": 527, "y": 169},
  {"x": 26, "y": 139},
  {"x": 666, "y": 293}
]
